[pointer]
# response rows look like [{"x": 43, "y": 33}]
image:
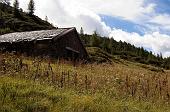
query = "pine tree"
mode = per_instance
[
  {"x": 141, "y": 52},
  {"x": 104, "y": 45},
  {"x": 95, "y": 40},
  {"x": 159, "y": 57},
  {"x": 31, "y": 7},
  {"x": 16, "y": 8},
  {"x": 150, "y": 57},
  {"x": 46, "y": 18},
  {"x": 81, "y": 31},
  {"x": 120, "y": 46},
  {"x": 111, "y": 46},
  {"x": 7, "y": 2},
  {"x": 83, "y": 37}
]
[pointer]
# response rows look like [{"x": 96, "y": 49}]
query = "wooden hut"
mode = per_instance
[{"x": 61, "y": 42}]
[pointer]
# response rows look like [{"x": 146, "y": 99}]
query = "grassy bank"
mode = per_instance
[
  {"x": 36, "y": 85},
  {"x": 19, "y": 95}
]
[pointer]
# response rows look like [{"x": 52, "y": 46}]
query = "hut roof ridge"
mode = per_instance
[{"x": 33, "y": 35}]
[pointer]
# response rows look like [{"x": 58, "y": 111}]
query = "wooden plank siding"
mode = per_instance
[{"x": 71, "y": 40}]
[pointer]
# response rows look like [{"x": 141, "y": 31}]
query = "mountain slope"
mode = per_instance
[
  {"x": 23, "y": 22},
  {"x": 125, "y": 51},
  {"x": 42, "y": 86}
]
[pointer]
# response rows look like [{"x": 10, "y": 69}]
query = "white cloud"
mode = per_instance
[
  {"x": 67, "y": 15},
  {"x": 158, "y": 43},
  {"x": 133, "y": 10},
  {"x": 129, "y": 9},
  {"x": 162, "y": 21}
]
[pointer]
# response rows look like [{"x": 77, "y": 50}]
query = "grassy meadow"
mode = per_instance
[{"x": 43, "y": 85}]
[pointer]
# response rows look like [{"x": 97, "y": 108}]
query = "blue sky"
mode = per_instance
[
  {"x": 115, "y": 22},
  {"x": 162, "y": 7},
  {"x": 143, "y": 23}
]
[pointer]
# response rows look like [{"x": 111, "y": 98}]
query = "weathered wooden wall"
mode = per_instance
[{"x": 71, "y": 40}]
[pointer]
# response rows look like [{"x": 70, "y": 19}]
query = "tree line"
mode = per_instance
[
  {"x": 14, "y": 19},
  {"x": 10, "y": 15},
  {"x": 124, "y": 50},
  {"x": 31, "y": 6}
]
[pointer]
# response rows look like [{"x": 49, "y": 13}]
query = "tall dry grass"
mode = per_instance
[{"x": 117, "y": 81}]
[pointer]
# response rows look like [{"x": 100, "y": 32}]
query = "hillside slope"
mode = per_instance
[
  {"x": 36, "y": 85},
  {"x": 125, "y": 50},
  {"x": 98, "y": 55},
  {"x": 24, "y": 22}
]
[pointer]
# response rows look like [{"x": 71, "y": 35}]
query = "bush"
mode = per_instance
[{"x": 5, "y": 30}]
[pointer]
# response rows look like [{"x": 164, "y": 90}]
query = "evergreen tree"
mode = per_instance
[
  {"x": 46, "y": 18},
  {"x": 104, "y": 45},
  {"x": 16, "y": 8},
  {"x": 7, "y": 2},
  {"x": 82, "y": 36},
  {"x": 159, "y": 57},
  {"x": 120, "y": 46},
  {"x": 141, "y": 52},
  {"x": 110, "y": 46},
  {"x": 81, "y": 31},
  {"x": 150, "y": 57},
  {"x": 95, "y": 40},
  {"x": 31, "y": 7}
]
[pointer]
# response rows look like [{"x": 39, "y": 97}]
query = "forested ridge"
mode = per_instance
[
  {"x": 125, "y": 50},
  {"x": 14, "y": 19}
]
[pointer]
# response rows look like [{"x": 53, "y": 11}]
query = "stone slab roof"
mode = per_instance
[{"x": 32, "y": 35}]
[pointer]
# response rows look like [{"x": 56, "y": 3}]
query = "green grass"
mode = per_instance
[
  {"x": 18, "y": 95},
  {"x": 98, "y": 55},
  {"x": 62, "y": 87}
]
